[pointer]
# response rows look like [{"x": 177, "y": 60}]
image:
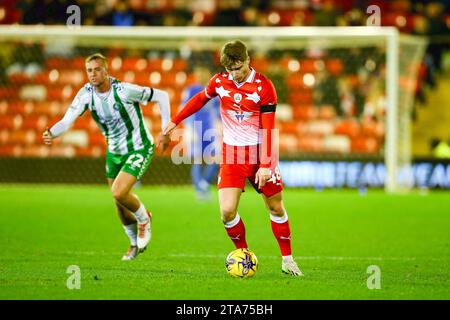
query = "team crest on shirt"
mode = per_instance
[
  {"x": 237, "y": 97},
  {"x": 116, "y": 106},
  {"x": 240, "y": 115}
]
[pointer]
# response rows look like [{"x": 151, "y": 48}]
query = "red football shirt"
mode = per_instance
[{"x": 241, "y": 105}]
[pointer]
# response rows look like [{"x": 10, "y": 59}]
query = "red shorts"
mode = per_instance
[{"x": 233, "y": 175}]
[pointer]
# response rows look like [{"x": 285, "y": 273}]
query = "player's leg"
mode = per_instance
[
  {"x": 201, "y": 186},
  {"x": 121, "y": 191},
  {"x": 281, "y": 230},
  {"x": 130, "y": 227},
  {"x": 125, "y": 172},
  {"x": 234, "y": 226}
]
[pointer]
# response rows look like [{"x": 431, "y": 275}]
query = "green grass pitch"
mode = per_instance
[{"x": 337, "y": 235}]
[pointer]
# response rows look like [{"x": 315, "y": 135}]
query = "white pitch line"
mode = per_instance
[
  {"x": 184, "y": 255},
  {"x": 337, "y": 258}
]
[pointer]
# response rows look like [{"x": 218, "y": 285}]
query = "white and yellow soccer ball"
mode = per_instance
[{"x": 241, "y": 263}]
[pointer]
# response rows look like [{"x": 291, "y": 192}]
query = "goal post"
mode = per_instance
[{"x": 300, "y": 56}]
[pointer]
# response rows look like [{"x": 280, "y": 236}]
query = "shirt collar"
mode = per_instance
[{"x": 250, "y": 78}]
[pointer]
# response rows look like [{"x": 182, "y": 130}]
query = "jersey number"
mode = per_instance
[{"x": 135, "y": 160}]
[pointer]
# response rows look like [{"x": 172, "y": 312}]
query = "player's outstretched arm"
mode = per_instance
[
  {"x": 192, "y": 106},
  {"x": 161, "y": 97},
  {"x": 60, "y": 127}
]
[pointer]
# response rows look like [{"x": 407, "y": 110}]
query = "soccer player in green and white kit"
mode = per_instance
[{"x": 114, "y": 105}]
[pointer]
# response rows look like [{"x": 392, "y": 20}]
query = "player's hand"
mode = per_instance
[
  {"x": 262, "y": 175},
  {"x": 168, "y": 128},
  {"x": 163, "y": 141},
  {"x": 47, "y": 136}
]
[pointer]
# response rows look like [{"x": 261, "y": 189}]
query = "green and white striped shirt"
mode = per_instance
[{"x": 118, "y": 114}]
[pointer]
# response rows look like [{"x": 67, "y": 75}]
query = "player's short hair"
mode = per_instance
[
  {"x": 233, "y": 52},
  {"x": 98, "y": 56}
]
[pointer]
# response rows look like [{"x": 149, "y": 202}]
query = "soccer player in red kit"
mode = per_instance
[{"x": 248, "y": 104}]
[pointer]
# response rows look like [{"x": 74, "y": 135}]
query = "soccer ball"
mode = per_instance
[{"x": 241, "y": 263}]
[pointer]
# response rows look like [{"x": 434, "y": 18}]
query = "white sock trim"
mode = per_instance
[
  {"x": 141, "y": 214},
  {"x": 278, "y": 219},
  {"x": 233, "y": 222}
]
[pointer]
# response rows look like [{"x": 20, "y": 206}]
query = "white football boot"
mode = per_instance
[
  {"x": 289, "y": 266},
  {"x": 131, "y": 253},
  {"x": 144, "y": 233}
]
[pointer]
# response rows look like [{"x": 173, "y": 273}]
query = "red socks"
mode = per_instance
[
  {"x": 236, "y": 231},
  {"x": 282, "y": 232},
  {"x": 280, "y": 228}
]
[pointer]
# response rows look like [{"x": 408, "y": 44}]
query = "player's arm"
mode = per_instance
[
  {"x": 143, "y": 95},
  {"x": 267, "y": 111},
  {"x": 268, "y": 125},
  {"x": 75, "y": 110},
  {"x": 192, "y": 106},
  {"x": 161, "y": 97}
]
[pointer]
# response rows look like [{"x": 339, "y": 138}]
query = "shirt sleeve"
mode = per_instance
[
  {"x": 135, "y": 93},
  {"x": 269, "y": 96},
  {"x": 210, "y": 89},
  {"x": 161, "y": 97},
  {"x": 78, "y": 106}
]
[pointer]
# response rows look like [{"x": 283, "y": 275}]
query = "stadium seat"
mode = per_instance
[
  {"x": 348, "y": 127},
  {"x": 288, "y": 143},
  {"x": 154, "y": 64},
  {"x": 289, "y": 127},
  {"x": 327, "y": 112},
  {"x": 97, "y": 139},
  {"x": 62, "y": 151},
  {"x": 309, "y": 143},
  {"x": 320, "y": 127},
  {"x": 337, "y": 144},
  {"x": 19, "y": 78},
  {"x": 134, "y": 64},
  {"x": 47, "y": 108},
  {"x": 4, "y": 137},
  {"x": 304, "y": 112},
  {"x": 11, "y": 121},
  {"x": 295, "y": 81},
  {"x": 364, "y": 145},
  {"x": 308, "y": 66},
  {"x": 35, "y": 122},
  {"x": 22, "y": 137},
  {"x": 179, "y": 64},
  {"x": 36, "y": 151},
  {"x": 21, "y": 107},
  {"x": 72, "y": 77},
  {"x": 372, "y": 128},
  {"x": 334, "y": 66},
  {"x": 301, "y": 97},
  {"x": 8, "y": 92},
  {"x": 82, "y": 123},
  {"x": 4, "y": 106},
  {"x": 260, "y": 63},
  {"x": 6, "y": 150}
]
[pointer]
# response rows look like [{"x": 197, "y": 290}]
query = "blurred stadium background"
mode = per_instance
[{"x": 332, "y": 111}]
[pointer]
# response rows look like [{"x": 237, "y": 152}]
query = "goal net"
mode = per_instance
[{"x": 343, "y": 93}]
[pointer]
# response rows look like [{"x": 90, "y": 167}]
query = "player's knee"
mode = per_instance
[
  {"x": 118, "y": 194},
  {"x": 277, "y": 209},
  {"x": 228, "y": 213}
]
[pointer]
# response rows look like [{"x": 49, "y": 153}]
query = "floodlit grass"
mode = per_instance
[{"x": 336, "y": 235}]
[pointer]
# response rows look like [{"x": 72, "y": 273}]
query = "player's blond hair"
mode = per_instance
[
  {"x": 98, "y": 56},
  {"x": 232, "y": 52}
]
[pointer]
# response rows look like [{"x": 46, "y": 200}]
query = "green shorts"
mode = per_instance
[{"x": 134, "y": 163}]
